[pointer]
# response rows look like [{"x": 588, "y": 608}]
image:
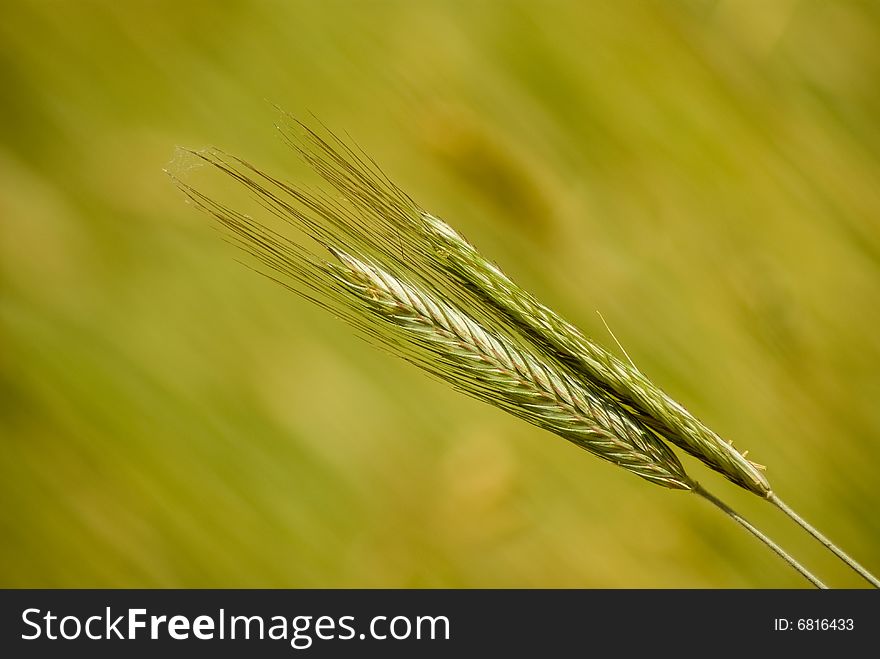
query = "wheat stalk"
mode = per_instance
[
  {"x": 436, "y": 250},
  {"x": 439, "y": 256},
  {"x": 388, "y": 284}
]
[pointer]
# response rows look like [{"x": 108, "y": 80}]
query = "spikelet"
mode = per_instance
[
  {"x": 432, "y": 252},
  {"x": 409, "y": 283}
]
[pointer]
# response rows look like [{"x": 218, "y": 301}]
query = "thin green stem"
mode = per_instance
[
  {"x": 837, "y": 551},
  {"x": 763, "y": 538}
]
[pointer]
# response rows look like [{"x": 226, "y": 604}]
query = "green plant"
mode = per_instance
[{"x": 407, "y": 281}]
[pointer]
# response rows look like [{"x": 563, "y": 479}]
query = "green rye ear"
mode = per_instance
[{"x": 409, "y": 283}]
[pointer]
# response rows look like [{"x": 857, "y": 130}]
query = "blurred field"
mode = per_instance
[{"x": 705, "y": 174}]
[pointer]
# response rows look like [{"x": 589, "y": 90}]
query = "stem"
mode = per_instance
[
  {"x": 809, "y": 528},
  {"x": 763, "y": 538}
]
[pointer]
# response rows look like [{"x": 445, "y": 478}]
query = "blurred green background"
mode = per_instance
[{"x": 705, "y": 174}]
